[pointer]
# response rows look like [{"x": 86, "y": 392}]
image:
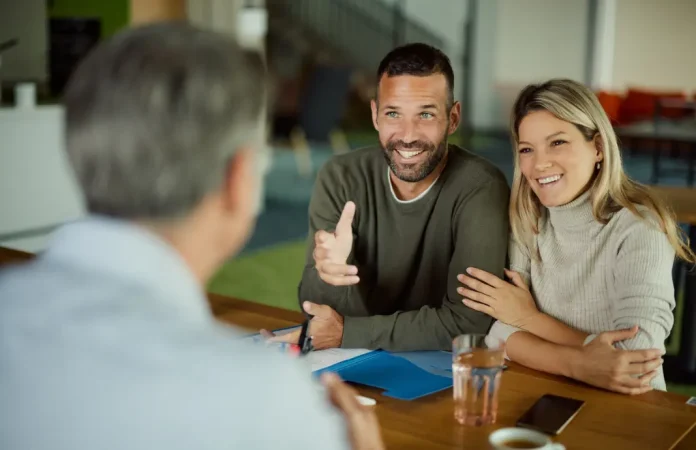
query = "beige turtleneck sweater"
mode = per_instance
[{"x": 597, "y": 278}]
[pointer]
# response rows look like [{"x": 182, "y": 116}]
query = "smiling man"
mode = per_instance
[{"x": 392, "y": 226}]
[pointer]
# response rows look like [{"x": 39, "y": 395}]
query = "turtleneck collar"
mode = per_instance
[{"x": 573, "y": 214}]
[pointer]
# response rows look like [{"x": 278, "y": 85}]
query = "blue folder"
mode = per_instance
[{"x": 404, "y": 375}]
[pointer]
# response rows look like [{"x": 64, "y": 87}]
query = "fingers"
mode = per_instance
[
  {"x": 476, "y": 285},
  {"x": 330, "y": 268},
  {"x": 291, "y": 338},
  {"x": 633, "y": 390},
  {"x": 484, "y": 276},
  {"x": 322, "y": 237},
  {"x": 340, "y": 394},
  {"x": 645, "y": 367},
  {"x": 640, "y": 356},
  {"x": 338, "y": 274},
  {"x": 476, "y": 306},
  {"x": 337, "y": 280},
  {"x": 315, "y": 310},
  {"x": 516, "y": 279},
  {"x": 636, "y": 386},
  {"x": 345, "y": 223},
  {"x": 619, "y": 335},
  {"x": 475, "y": 296},
  {"x": 266, "y": 334}
]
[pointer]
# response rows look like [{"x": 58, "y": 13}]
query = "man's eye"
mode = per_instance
[{"x": 427, "y": 115}]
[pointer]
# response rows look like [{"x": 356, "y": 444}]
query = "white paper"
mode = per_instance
[
  {"x": 321, "y": 359},
  {"x": 318, "y": 359}
]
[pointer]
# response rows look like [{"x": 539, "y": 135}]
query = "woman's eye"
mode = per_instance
[
  {"x": 558, "y": 142},
  {"x": 525, "y": 150}
]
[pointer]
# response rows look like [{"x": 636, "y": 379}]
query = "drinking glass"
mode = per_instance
[{"x": 477, "y": 365}]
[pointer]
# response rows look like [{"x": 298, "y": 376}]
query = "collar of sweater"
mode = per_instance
[{"x": 573, "y": 214}]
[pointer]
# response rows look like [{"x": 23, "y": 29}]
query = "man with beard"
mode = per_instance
[{"x": 391, "y": 228}]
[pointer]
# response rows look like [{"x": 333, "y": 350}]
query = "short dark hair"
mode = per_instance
[
  {"x": 155, "y": 113},
  {"x": 419, "y": 60}
]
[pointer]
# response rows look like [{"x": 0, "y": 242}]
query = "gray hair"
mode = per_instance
[{"x": 154, "y": 116}]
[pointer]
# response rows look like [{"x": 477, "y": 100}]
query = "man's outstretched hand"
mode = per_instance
[
  {"x": 325, "y": 328},
  {"x": 331, "y": 251}
]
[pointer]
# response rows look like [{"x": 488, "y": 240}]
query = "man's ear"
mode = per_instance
[
  {"x": 375, "y": 108},
  {"x": 242, "y": 183},
  {"x": 455, "y": 117}
]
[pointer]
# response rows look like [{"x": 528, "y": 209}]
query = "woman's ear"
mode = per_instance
[{"x": 599, "y": 146}]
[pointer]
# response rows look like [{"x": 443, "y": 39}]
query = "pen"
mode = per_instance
[{"x": 305, "y": 342}]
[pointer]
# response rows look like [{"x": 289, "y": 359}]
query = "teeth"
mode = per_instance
[
  {"x": 408, "y": 155},
  {"x": 548, "y": 180}
]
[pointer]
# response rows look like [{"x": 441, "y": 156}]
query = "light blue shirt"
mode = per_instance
[{"x": 107, "y": 342}]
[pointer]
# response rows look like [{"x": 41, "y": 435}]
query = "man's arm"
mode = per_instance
[
  {"x": 481, "y": 238},
  {"x": 325, "y": 207}
]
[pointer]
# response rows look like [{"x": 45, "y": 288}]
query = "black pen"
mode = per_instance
[{"x": 305, "y": 342}]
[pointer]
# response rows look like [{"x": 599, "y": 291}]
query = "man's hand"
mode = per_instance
[
  {"x": 331, "y": 251},
  {"x": 624, "y": 371},
  {"x": 363, "y": 427},
  {"x": 325, "y": 328}
]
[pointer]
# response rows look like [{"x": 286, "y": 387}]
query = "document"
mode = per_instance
[{"x": 316, "y": 360}]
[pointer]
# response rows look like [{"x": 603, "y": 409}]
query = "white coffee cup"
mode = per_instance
[{"x": 498, "y": 438}]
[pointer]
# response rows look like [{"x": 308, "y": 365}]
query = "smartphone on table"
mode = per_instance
[{"x": 551, "y": 414}]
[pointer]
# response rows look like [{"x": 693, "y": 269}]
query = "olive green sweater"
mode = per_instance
[{"x": 409, "y": 254}]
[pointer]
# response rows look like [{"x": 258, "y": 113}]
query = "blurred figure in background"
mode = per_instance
[{"x": 107, "y": 338}]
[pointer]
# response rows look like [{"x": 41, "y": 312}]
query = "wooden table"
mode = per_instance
[
  {"x": 656, "y": 420},
  {"x": 682, "y": 369}
]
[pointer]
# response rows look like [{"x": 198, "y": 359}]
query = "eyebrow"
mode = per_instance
[
  {"x": 550, "y": 136},
  {"x": 427, "y": 106}
]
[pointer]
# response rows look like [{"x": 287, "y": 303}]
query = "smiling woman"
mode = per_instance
[{"x": 590, "y": 293}]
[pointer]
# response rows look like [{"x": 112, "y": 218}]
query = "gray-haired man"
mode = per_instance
[{"x": 107, "y": 342}]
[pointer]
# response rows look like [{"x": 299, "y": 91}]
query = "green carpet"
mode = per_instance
[{"x": 269, "y": 276}]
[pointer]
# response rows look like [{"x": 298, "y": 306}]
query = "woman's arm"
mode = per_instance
[
  {"x": 598, "y": 364},
  {"x": 553, "y": 330},
  {"x": 643, "y": 285}
]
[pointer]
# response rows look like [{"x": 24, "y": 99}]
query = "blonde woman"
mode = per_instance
[{"x": 590, "y": 294}]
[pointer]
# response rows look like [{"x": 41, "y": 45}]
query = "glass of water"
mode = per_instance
[{"x": 477, "y": 365}]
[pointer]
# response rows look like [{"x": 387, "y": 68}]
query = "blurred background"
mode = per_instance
[{"x": 322, "y": 55}]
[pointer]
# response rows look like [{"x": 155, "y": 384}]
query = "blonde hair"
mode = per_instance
[{"x": 610, "y": 190}]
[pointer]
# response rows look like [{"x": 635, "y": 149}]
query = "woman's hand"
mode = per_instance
[
  {"x": 511, "y": 303},
  {"x": 626, "y": 371}
]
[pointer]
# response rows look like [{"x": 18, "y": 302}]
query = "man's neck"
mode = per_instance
[
  {"x": 202, "y": 258},
  {"x": 405, "y": 190}
]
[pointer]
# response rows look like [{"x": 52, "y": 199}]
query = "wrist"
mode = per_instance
[
  {"x": 572, "y": 363},
  {"x": 532, "y": 322}
]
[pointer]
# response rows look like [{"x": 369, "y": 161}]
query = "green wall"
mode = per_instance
[{"x": 114, "y": 14}]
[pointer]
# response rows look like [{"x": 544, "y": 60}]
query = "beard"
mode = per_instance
[{"x": 417, "y": 171}]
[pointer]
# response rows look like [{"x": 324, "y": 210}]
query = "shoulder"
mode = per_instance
[
  {"x": 468, "y": 173},
  {"x": 639, "y": 229},
  {"x": 472, "y": 181}
]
